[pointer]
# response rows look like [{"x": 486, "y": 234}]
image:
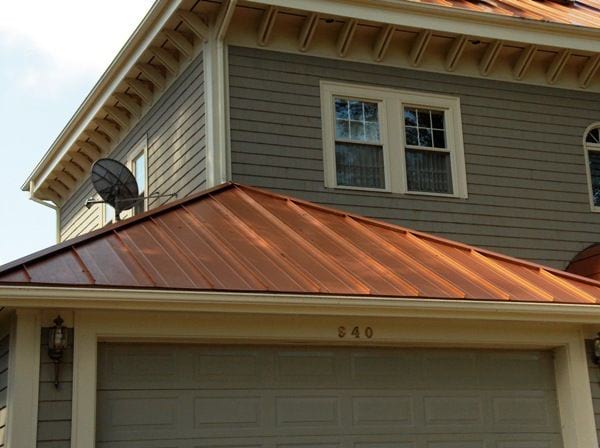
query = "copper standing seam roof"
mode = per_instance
[
  {"x": 585, "y": 13},
  {"x": 239, "y": 238}
]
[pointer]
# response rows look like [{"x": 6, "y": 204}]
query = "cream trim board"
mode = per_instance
[
  {"x": 23, "y": 379},
  {"x": 575, "y": 400},
  {"x": 391, "y": 117},
  {"x": 587, "y": 147},
  {"x": 291, "y": 304}
]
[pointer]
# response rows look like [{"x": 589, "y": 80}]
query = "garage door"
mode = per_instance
[{"x": 183, "y": 396}]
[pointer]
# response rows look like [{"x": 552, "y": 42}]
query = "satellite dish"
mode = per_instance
[{"x": 115, "y": 184}]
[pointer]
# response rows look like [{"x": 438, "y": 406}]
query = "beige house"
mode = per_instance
[{"x": 331, "y": 273}]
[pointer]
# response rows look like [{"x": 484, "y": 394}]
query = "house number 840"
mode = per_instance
[{"x": 355, "y": 332}]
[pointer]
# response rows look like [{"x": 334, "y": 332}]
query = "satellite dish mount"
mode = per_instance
[{"x": 117, "y": 187}]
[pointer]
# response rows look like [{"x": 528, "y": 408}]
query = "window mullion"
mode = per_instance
[{"x": 395, "y": 138}]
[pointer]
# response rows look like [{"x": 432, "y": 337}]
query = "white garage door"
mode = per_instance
[{"x": 183, "y": 396}]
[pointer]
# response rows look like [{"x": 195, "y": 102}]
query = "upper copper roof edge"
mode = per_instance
[
  {"x": 226, "y": 185},
  {"x": 538, "y": 23}
]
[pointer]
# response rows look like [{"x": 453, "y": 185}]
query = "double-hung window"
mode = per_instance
[
  {"x": 592, "y": 156},
  {"x": 391, "y": 140}
]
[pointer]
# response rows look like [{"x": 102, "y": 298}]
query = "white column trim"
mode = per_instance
[
  {"x": 23, "y": 379},
  {"x": 85, "y": 346},
  {"x": 216, "y": 91},
  {"x": 574, "y": 395}
]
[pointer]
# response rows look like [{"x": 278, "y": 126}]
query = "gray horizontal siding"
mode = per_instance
[
  {"x": 523, "y": 147},
  {"x": 174, "y": 127},
  {"x": 54, "y": 412}
]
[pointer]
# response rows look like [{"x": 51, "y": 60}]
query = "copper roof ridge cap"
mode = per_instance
[{"x": 55, "y": 248}]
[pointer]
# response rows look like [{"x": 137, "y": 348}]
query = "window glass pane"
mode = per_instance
[
  {"x": 139, "y": 171},
  {"x": 341, "y": 109},
  {"x": 356, "y": 120},
  {"x": 109, "y": 214},
  {"x": 594, "y": 159},
  {"x": 593, "y": 136},
  {"x": 439, "y": 138},
  {"x": 424, "y": 118},
  {"x": 342, "y": 129},
  {"x": 425, "y": 138},
  {"x": 359, "y": 165},
  {"x": 410, "y": 117},
  {"x": 412, "y": 136},
  {"x": 428, "y": 171},
  {"x": 357, "y": 131},
  {"x": 356, "y": 110},
  {"x": 437, "y": 119},
  {"x": 370, "y": 112},
  {"x": 372, "y": 132}
]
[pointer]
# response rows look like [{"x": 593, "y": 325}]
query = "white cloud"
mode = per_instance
[{"x": 66, "y": 39}]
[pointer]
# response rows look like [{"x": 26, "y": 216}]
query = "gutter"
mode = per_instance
[{"x": 292, "y": 304}]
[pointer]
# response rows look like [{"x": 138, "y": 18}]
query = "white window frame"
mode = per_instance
[
  {"x": 587, "y": 147},
  {"x": 392, "y": 102},
  {"x": 140, "y": 149}
]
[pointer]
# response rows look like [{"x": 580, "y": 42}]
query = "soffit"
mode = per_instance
[{"x": 241, "y": 239}]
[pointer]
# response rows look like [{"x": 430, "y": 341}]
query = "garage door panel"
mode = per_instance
[{"x": 201, "y": 396}]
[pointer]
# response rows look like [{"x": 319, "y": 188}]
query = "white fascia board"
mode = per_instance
[
  {"x": 308, "y": 304},
  {"x": 139, "y": 41},
  {"x": 452, "y": 20}
]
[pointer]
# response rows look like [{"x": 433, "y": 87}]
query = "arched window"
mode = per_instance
[{"x": 592, "y": 157}]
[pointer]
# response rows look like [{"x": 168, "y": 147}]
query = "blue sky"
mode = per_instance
[{"x": 48, "y": 64}]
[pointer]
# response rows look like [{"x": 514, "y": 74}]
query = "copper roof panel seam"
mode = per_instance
[
  {"x": 307, "y": 245},
  {"x": 458, "y": 266},
  {"x": 413, "y": 263},
  {"x": 128, "y": 250},
  {"x": 166, "y": 234},
  {"x": 379, "y": 268},
  {"x": 84, "y": 267},
  {"x": 424, "y": 236},
  {"x": 26, "y": 271},
  {"x": 576, "y": 291},
  {"x": 299, "y": 272},
  {"x": 222, "y": 248},
  {"x": 513, "y": 276}
]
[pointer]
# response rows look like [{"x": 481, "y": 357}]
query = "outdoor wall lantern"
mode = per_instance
[
  {"x": 57, "y": 343},
  {"x": 596, "y": 350}
]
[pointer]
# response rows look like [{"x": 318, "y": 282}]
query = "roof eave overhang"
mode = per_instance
[
  {"x": 453, "y": 20},
  {"x": 147, "y": 30},
  {"x": 126, "y": 299},
  {"x": 395, "y": 12}
]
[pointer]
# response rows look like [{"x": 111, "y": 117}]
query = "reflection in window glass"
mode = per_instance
[
  {"x": 139, "y": 171},
  {"x": 359, "y": 151},
  {"x": 109, "y": 214},
  {"x": 594, "y": 161}
]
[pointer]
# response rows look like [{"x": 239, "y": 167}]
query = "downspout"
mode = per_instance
[
  {"x": 49, "y": 205},
  {"x": 216, "y": 92}
]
